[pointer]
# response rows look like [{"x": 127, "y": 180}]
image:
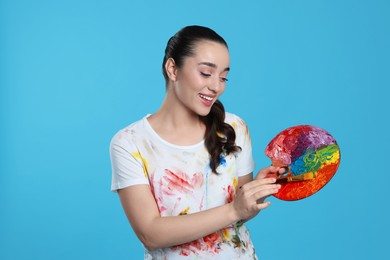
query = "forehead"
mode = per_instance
[{"x": 214, "y": 52}]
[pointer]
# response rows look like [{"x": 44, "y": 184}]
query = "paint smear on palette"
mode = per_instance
[{"x": 311, "y": 155}]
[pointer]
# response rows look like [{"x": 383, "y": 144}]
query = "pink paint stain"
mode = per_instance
[
  {"x": 174, "y": 184},
  {"x": 181, "y": 182}
]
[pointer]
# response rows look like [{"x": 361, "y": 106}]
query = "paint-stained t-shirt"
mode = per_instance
[{"x": 182, "y": 183}]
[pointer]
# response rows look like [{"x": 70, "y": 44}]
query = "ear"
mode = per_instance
[{"x": 171, "y": 69}]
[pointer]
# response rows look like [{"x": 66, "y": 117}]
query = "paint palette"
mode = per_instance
[{"x": 310, "y": 156}]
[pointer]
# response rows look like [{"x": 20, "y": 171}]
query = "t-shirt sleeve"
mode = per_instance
[
  {"x": 245, "y": 162},
  {"x": 127, "y": 165}
]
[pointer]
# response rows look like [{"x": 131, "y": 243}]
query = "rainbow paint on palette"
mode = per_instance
[{"x": 311, "y": 157}]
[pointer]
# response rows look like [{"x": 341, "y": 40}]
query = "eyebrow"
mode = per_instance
[{"x": 210, "y": 64}]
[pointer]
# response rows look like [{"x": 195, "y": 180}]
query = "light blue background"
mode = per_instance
[{"x": 74, "y": 72}]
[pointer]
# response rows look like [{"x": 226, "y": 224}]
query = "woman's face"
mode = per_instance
[{"x": 202, "y": 77}]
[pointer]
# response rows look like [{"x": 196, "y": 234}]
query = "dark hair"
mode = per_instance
[{"x": 220, "y": 137}]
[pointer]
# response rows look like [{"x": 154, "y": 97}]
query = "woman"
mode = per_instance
[{"x": 184, "y": 173}]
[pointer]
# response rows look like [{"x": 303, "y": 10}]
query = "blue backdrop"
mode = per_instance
[{"x": 72, "y": 73}]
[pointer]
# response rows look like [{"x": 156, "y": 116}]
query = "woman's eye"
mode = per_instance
[
  {"x": 224, "y": 79},
  {"x": 205, "y": 74}
]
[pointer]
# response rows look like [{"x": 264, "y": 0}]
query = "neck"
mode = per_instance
[
  {"x": 176, "y": 113},
  {"x": 177, "y": 124}
]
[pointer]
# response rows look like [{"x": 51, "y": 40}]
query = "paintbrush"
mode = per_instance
[{"x": 288, "y": 177}]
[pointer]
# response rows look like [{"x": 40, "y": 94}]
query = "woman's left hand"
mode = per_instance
[{"x": 267, "y": 172}]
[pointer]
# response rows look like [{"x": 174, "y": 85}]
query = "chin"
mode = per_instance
[{"x": 203, "y": 112}]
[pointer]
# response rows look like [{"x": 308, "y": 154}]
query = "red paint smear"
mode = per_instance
[
  {"x": 208, "y": 243},
  {"x": 181, "y": 182},
  {"x": 302, "y": 189},
  {"x": 178, "y": 181},
  {"x": 230, "y": 193}
]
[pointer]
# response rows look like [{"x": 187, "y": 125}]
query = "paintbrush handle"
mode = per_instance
[{"x": 302, "y": 177}]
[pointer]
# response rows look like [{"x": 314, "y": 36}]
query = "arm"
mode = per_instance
[
  {"x": 245, "y": 179},
  {"x": 157, "y": 232}
]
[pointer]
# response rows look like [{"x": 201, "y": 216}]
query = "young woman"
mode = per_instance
[{"x": 184, "y": 173}]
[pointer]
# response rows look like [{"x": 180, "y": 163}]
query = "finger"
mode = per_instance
[
  {"x": 283, "y": 170},
  {"x": 256, "y": 183},
  {"x": 267, "y": 181},
  {"x": 271, "y": 175},
  {"x": 265, "y": 191},
  {"x": 266, "y": 171},
  {"x": 263, "y": 205}
]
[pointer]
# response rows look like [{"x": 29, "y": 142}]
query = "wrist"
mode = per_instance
[{"x": 233, "y": 213}]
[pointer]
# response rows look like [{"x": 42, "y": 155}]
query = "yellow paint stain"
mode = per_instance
[
  {"x": 235, "y": 183},
  {"x": 225, "y": 234},
  {"x": 184, "y": 212},
  {"x": 137, "y": 155}
]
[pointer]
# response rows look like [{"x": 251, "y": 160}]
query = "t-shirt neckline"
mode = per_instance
[{"x": 150, "y": 129}]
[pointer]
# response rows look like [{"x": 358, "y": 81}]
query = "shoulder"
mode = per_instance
[
  {"x": 236, "y": 122},
  {"x": 240, "y": 128},
  {"x": 129, "y": 133}
]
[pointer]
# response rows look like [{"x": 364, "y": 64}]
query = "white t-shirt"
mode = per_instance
[{"x": 182, "y": 182}]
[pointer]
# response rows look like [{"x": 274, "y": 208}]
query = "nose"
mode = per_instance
[
  {"x": 215, "y": 85},
  {"x": 212, "y": 89}
]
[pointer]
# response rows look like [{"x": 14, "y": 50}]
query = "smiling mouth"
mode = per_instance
[{"x": 206, "y": 97}]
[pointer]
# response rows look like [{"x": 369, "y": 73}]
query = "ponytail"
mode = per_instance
[{"x": 220, "y": 137}]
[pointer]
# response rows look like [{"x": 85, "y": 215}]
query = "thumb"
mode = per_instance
[{"x": 270, "y": 171}]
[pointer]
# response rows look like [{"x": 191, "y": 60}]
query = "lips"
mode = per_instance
[{"x": 207, "y": 100}]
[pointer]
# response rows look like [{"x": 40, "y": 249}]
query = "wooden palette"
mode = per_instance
[{"x": 311, "y": 157}]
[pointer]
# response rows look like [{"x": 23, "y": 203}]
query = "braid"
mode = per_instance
[{"x": 220, "y": 137}]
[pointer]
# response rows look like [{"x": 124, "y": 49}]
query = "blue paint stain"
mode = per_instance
[{"x": 222, "y": 161}]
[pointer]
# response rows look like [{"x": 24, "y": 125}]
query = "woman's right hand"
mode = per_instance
[{"x": 249, "y": 199}]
